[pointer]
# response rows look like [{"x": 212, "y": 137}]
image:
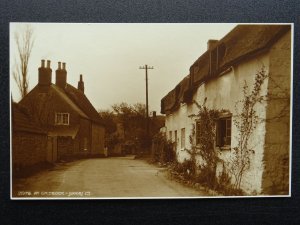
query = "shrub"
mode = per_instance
[
  {"x": 206, "y": 177},
  {"x": 162, "y": 149}
]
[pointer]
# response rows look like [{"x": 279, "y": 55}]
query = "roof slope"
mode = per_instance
[
  {"x": 65, "y": 97},
  {"x": 175, "y": 96},
  {"x": 22, "y": 121},
  {"x": 246, "y": 39},
  {"x": 79, "y": 98},
  {"x": 240, "y": 43}
]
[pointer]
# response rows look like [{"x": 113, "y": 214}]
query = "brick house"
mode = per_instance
[
  {"x": 29, "y": 141},
  {"x": 73, "y": 125},
  {"x": 217, "y": 78}
]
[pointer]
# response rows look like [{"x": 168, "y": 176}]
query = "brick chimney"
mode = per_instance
[
  {"x": 211, "y": 44},
  {"x": 61, "y": 75},
  {"x": 81, "y": 84},
  {"x": 45, "y": 73}
]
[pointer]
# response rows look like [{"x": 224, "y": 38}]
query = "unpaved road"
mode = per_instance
[{"x": 102, "y": 177}]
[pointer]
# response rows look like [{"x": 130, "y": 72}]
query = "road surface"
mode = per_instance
[{"x": 102, "y": 177}]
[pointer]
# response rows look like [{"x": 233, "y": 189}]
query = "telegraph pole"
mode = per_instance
[{"x": 146, "y": 68}]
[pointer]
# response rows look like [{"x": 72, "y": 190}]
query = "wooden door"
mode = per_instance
[{"x": 52, "y": 149}]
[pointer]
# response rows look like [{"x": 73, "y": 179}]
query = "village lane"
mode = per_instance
[{"x": 103, "y": 177}]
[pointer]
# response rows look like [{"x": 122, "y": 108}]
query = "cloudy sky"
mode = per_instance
[{"x": 109, "y": 57}]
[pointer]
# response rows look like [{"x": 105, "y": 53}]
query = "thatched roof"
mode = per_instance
[{"x": 241, "y": 43}]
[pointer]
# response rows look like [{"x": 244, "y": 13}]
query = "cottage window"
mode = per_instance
[
  {"x": 62, "y": 118},
  {"x": 170, "y": 135},
  {"x": 215, "y": 58},
  {"x": 183, "y": 138},
  {"x": 223, "y": 132}
]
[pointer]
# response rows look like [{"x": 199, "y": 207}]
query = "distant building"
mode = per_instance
[
  {"x": 157, "y": 122},
  {"x": 130, "y": 144},
  {"x": 29, "y": 141},
  {"x": 71, "y": 121},
  {"x": 118, "y": 148},
  {"x": 218, "y": 77}
]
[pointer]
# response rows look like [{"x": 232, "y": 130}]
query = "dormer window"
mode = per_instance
[
  {"x": 62, "y": 118},
  {"x": 215, "y": 57}
]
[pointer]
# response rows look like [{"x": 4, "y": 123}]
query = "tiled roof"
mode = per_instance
[
  {"x": 22, "y": 121},
  {"x": 66, "y": 98},
  {"x": 79, "y": 98}
]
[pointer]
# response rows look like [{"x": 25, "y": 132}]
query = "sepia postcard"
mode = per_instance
[{"x": 134, "y": 111}]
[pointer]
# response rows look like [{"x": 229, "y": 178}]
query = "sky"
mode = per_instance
[{"x": 109, "y": 56}]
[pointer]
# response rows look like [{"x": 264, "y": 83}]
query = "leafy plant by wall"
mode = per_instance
[
  {"x": 162, "y": 149},
  {"x": 205, "y": 171},
  {"x": 246, "y": 121},
  {"x": 201, "y": 166}
]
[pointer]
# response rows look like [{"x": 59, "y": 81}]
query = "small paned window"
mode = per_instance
[
  {"x": 183, "y": 138},
  {"x": 62, "y": 118},
  {"x": 223, "y": 132}
]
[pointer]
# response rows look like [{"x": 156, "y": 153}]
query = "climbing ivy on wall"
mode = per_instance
[
  {"x": 246, "y": 120},
  {"x": 205, "y": 146}
]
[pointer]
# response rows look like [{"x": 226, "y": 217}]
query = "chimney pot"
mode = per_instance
[
  {"x": 211, "y": 44},
  {"x": 48, "y": 64},
  {"x": 80, "y": 84},
  {"x": 61, "y": 76},
  {"x": 45, "y": 74}
]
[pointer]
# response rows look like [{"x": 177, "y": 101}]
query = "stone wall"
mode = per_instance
[
  {"x": 97, "y": 139},
  {"x": 116, "y": 150},
  {"x": 28, "y": 149},
  {"x": 84, "y": 137},
  {"x": 277, "y": 146}
]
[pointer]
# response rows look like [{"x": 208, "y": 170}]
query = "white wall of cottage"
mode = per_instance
[{"x": 223, "y": 93}]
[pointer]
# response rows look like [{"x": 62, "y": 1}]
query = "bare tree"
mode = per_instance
[{"x": 24, "y": 41}]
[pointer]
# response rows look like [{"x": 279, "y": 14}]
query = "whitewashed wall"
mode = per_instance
[{"x": 223, "y": 93}]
